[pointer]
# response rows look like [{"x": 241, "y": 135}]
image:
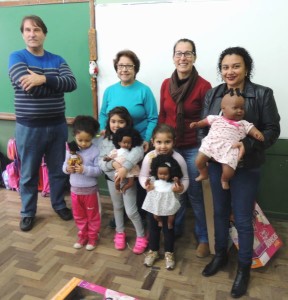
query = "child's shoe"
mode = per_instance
[
  {"x": 80, "y": 244},
  {"x": 120, "y": 240},
  {"x": 150, "y": 258},
  {"x": 140, "y": 245},
  {"x": 90, "y": 247},
  {"x": 170, "y": 260}
]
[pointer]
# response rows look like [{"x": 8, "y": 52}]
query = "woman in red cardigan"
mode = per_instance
[{"x": 181, "y": 102}]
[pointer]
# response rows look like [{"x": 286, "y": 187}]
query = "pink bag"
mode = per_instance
[
  {"x": 46, "y": 186},
  {"x": 12, "y": 149},
  {"x": 13, "y": 171}
]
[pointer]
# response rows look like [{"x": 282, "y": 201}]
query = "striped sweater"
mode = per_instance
[{"x": 45, "y": 102}]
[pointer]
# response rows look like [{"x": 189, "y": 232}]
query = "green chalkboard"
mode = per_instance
[{"x": 67, "y": 36}]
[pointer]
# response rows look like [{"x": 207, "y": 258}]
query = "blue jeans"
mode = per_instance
[
  {"x": 32, "y": 144},
  {"x": 194, "y": 194},
  {"x": 239, "y": 200}
]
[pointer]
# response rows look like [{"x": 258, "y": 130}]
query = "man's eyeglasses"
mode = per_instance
[
  {"x": 187, "y": 54},
  {"x": 127, "y": 67}
]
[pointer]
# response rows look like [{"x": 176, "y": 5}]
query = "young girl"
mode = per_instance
[
  {"x": 162, "y": 201},
  {"x": 124, "y": 140},
  {"x": 226, "y": 131},
  {"x": 163, "y": 138},
  {"x": 119, "y": 117},
  {"x": 83, "y": 173}
]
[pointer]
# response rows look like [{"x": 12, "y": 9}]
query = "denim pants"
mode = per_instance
[
  {"x": 239, "y": 200},
  {"x": 194, "y": 194},
  {"x": 32, "y": 144}
]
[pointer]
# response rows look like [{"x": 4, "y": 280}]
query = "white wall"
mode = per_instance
[{"x": 151, "y": 29}]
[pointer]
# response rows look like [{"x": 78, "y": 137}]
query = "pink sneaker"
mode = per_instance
[
  {"x": 140, "y": 245},
  {"x": 120, "y": 240}
]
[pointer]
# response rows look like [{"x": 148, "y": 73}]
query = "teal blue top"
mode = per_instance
[{"x": 140, "y": 102}]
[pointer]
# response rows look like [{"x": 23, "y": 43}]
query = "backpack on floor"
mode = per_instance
[
  {"x": 13, "y": 172},
  {"x": 4, "y": 161},
  {"x": 13, "y": 169}
]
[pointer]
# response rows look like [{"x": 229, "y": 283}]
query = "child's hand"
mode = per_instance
[
  {"x": 149, "y": 186},
  {"x": 79, "y": 169},
  {"x": 107, "y": 158},
  {"x": 178, "y": 186},
  {"x": 193, "y": 125},
  {"x": 116, "y": 165},
  {"x": 121, "y": 173},
  {"x": 70, "y": 169}
]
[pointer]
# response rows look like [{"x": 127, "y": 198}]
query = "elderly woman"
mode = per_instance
[
  {"x": 181, "y": 102},
  {"x": 132, "y": 94},
  {"x": 138, "y": 99},
  {"x": 235, "y": 66}
]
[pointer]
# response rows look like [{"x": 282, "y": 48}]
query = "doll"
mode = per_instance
[
  {"x": 75, "y": 159},
  {"x": 124, "y": 139},
  {"x": 161, "y": 200},
  {"x": 223, "y": 142}
]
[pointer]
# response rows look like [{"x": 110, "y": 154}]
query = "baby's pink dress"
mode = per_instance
[{"x": 222, "y": 135}]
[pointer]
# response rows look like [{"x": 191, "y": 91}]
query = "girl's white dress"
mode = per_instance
[{"x": 161, "y": 201}]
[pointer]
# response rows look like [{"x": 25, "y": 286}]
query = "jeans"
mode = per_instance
[
  {"x": 239, "y": 200},
  {"x": 32, "y": 144},
  {"x": 194, "y": 194}
]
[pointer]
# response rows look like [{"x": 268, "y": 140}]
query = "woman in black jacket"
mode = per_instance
[{"x": 235, "y": 66}]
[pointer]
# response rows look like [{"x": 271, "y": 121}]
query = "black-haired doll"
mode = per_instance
[
  {"x": 223, "y": 140},
  {"x": 162, "y": 201},
  {"x": 124, "y": 139}
]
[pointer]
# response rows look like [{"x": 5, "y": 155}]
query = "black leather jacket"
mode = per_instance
[{"x": 260, "y": 109}]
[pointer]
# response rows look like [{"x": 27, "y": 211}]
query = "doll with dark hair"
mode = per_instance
[
  {"x": 222, "y": 141},
  {"x": 162, "y": 201},
  {"x": 124, "y": 140},
  {"x": 75, "y": 158}
]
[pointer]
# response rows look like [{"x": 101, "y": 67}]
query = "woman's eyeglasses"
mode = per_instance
[
  {"x": 127, "y": 67},
  {"x": 187, "y": 54}
]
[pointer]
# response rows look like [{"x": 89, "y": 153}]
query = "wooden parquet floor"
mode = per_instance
[{"x": 35, "y": 265}]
